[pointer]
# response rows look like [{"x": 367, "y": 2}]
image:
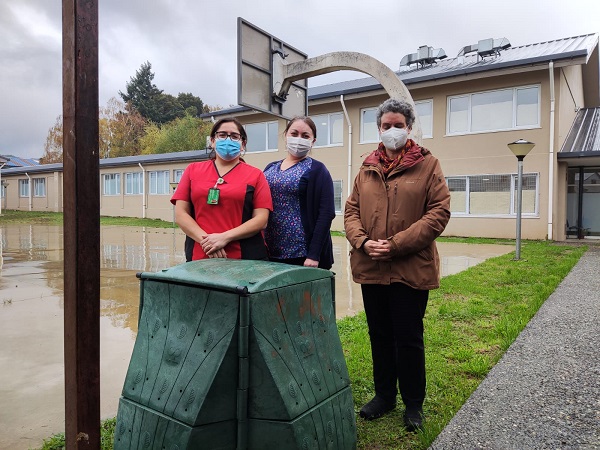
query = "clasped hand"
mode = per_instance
[
  {"x": 378, "y": 250},
  {"x": 214, "y": 244}
]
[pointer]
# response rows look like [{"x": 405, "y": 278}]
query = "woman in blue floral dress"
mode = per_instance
[{"x": 298, "y": 231}]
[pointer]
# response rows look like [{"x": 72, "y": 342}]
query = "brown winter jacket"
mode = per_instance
[{"x": 410, "y": 208}]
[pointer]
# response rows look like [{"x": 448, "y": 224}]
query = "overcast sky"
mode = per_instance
[{"x": 192, "y": 45}]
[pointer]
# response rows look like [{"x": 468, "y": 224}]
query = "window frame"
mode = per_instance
[
  {"x": 140, "y": 182},
  {"x": 514, "y": 107},
  {"x": 39, "y": 184},
  {"x": 153, "y": 190},
  {"x": 24, "y": 193},
  {"x": 421, "y": 102},
  {"x": 177, "y": 174},
  {"x": 267, "y": 140},
  {"x": 329, "y": 129},
  {"x": 362, "y": 139},
  {"x": 114, "y": 178},
  {"x": 513, "y": 193}
]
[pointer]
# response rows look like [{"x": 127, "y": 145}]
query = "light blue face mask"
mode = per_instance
[{"x": 228, "y": 149}]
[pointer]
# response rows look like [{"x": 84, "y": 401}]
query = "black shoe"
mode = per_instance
[
  {"x": 413, "y": 420},
  {"x": 376, "y": 408}
]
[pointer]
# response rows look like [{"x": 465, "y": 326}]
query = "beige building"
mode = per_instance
[
  {"x": 130, "y": 186},
  {"x": 470, "y": 107}
]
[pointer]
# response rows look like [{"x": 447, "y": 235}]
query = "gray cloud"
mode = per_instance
[{"x": 193, "y": 45}]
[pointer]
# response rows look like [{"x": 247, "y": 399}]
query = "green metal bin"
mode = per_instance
[{"x": 236, "y": 354}]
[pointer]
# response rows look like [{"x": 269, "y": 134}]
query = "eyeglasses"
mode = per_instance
[{"x": 224, "y": 135}]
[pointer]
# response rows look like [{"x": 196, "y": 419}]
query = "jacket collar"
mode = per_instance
[{"x": 413, "y": 156}]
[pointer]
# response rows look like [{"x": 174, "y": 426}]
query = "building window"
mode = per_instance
[
  {"x": 23, "y": 188},
  {"x": 424, "y": 109},
  {"x": 527, "y": 106},
  {"x": 134, "y": 183},
  {"x": 177, "y": 174},
  {"x": 39, "y": 187},
  {"x": 458, "y": 194},
  {"x": 112, "y": 184},
  {"x": 458, "y": 114},
  {"x": 504, "y": 109},
  {"x": 492, "y": 195},
  {"x": 159, "y": 182},
  {"x": 337, "y": 195},
  {"x": 329, "y": 129},
  {"x": 261, "y": 136},
  {"x": 530, "y": 194},
  {"x": 368, "y": 126}
]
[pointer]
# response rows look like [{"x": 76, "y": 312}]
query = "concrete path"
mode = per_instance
[{"x": 545, "y": 391}]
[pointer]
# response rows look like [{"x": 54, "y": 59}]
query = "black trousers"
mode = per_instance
[{"x": 395, "y": 318}]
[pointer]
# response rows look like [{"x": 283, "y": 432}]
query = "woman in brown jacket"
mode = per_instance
[{"x": 399, "y": 205}]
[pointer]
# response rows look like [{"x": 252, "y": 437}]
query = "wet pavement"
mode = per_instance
[{"x": 31, "y": 314}]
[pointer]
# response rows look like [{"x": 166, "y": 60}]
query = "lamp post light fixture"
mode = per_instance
[{"x": 520, "y": 149}]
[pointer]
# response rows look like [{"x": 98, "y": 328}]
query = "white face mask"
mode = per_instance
[
  {"x": 394, "y": 138},
  {"x": 298, "y": 147}
]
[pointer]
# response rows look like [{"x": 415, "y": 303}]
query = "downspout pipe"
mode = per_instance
[
  {"x": 1, "y": 188},
  {"x": 143, "y": 190},
  {"x": 349, "y": 182},
  {"x": 30, "y": 191},
  {"x": 551, "y": 156}
]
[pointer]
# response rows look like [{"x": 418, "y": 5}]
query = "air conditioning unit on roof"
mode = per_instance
[{"x": 425, "y": 56}]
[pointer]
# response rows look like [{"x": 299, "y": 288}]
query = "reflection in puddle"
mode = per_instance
[{"x": 31, "y": 314}]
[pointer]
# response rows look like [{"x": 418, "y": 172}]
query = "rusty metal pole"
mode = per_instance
[{"x": 81, "y": 224}]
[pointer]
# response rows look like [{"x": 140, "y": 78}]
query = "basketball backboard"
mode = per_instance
[{"x": 256, "y": 90}]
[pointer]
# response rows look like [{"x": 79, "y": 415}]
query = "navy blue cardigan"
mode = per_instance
[{"x": 317, "y": 210}]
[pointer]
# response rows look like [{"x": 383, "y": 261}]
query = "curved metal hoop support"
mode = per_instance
[{"x": 287, "y": 73}]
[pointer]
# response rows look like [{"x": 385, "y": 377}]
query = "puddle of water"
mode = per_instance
[{"x": 31, "y": 315}]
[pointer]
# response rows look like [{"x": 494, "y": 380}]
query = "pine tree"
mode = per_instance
[{"x": 148, "y": 100}]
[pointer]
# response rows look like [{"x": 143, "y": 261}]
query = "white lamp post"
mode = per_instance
[{"x": 520, "y": 149}]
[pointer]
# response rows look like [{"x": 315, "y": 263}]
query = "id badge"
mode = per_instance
[{"x": 213, "y": 196}]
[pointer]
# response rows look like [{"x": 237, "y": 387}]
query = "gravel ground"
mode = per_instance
[{"x": 545, "y": 391}]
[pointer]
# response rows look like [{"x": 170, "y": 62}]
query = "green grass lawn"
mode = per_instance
[
  {"x": 470, "y": 322},
  {"x": 52, "y": 218}
]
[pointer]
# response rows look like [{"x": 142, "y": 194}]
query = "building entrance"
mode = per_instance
[{"x": 583, "y": 203}]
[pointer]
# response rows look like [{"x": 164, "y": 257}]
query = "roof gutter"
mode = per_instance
[{"x": 551, "y": 154}]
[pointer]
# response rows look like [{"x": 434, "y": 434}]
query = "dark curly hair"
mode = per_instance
[{"x": 396, "y": 106}]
